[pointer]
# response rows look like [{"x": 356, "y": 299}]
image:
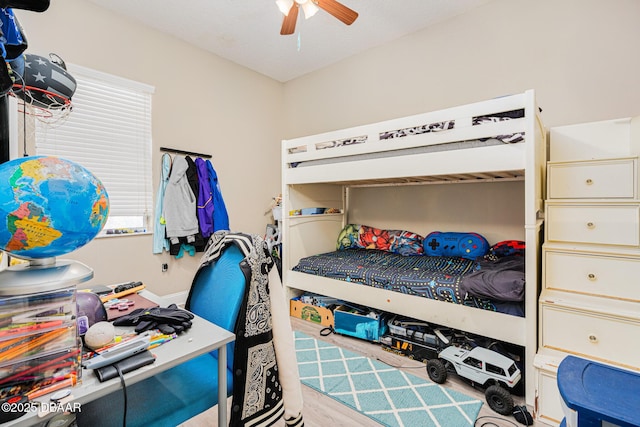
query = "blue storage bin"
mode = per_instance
[
  {"x": 358, "y": 322},
  {"x": 312, "y": 211},
  {"x": 593, "y": 393}
]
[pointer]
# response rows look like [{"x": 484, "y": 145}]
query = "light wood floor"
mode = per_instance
[{"x": 321, "y": 411}]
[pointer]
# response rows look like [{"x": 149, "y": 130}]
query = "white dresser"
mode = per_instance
[{"x": 589, "y": 304}]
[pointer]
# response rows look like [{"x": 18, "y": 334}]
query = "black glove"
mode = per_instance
[
  {"x": 170, "y": 315},
  {"x": 131, "y": 319},
  {"x": 168, "y": 320}
]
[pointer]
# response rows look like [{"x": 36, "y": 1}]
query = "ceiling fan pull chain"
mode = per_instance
[{"x": 299, "y": 41}]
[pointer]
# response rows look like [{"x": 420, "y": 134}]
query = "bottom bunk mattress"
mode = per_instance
[{"x": 440, "y": 278}]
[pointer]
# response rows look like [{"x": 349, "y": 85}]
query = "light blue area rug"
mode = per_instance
[{"x": 385, "y": 394}]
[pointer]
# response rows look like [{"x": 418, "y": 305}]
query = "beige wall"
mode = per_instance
[
  {"x": 494, "y": 210},
  {"x": 202, "y": 103},
  {"x": 579, "y": 55}
]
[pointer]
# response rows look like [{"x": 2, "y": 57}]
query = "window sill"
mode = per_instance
[{"x": 109, "y": 236}]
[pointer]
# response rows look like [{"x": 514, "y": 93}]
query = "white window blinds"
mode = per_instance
[{"x": 109, "y": 132}]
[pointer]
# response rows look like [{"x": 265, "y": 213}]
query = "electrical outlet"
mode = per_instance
[{"x": 165, "y": 267}]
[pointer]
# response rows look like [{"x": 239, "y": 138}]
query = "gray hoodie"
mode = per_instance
[{"x": 179, "y": 208}]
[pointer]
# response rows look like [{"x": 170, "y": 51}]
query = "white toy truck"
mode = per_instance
[{"x": 496, "y": 373}]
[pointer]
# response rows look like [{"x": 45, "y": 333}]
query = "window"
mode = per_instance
[
  {"x": 472, "y": 361},
  {"x": 108, "y": 132},
  {"x": 495, "y": 369}
]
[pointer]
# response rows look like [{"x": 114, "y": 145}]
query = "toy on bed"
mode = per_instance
[{"x": 465, "y": 245}]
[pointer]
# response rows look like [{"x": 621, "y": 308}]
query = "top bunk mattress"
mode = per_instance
[{"x": 391, "y": 136}]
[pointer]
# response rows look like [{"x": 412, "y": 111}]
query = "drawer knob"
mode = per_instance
[
  {"x": 593, "y": 338},
  {"x": 589, "y": 181},
  {"x": 591, "y": 225},
  {"x": 591, "y": 276}
]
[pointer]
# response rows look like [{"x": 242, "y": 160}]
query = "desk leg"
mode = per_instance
[{"x": 222, "y": 386}]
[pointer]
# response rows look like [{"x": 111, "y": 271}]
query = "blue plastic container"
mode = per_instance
[
  {"x": 360, "y": 323},
  {"x": 597, "y": 393},
  {"x": 312, "y": 211}
]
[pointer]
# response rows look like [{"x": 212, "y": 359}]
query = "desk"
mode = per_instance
[{"x": 201, "y": 338}]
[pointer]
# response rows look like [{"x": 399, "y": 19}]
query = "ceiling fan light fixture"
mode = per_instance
[
  {"x": 284, "y": 6},
  {"x": 309, "y": 8}
]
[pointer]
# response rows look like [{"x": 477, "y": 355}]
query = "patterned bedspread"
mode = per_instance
[{"x": 436, "y": 278}]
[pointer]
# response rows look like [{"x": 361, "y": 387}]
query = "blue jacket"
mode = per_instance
[{"x": 220, "y": 215}]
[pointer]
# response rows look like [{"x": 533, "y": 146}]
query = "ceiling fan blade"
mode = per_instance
[
  {"x": 338, "y": 10},
  {"x": 289, "y": 22}
]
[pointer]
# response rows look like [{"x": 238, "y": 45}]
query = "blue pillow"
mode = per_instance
[{"x": 465, "y": 245}]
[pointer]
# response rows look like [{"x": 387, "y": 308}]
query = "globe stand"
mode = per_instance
[
  {"x": 42, "y": 262},
  {"x": 41, "y": 275}
]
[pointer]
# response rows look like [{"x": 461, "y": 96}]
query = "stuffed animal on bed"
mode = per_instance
[{"x": 455, "y": 244}]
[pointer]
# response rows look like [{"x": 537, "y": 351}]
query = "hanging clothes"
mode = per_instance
[
  {"x": 192, "y": 176},
  {"x": 180, "y": 204},
  {"x": 160, "y": 241},
  {"x": 220, "y": 215},
  {"x": 193, "y": 207},
  {"x": 182, "y": 226},
  {"x": 12, "y": 40},
  {"x": 205, "y": 208}
]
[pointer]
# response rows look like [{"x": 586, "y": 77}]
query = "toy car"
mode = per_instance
[
  {"x": 496, "y": 373},
  {"x": 413, "y": 339}
]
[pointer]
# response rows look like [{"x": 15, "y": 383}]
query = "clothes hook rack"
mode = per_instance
[{"x": 186, "y": 153}]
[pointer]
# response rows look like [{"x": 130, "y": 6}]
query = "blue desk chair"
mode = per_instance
[{"x": 182, "y": 392}]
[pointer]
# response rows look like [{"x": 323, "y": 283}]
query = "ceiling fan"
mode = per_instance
[{"x": 290, "y": 9}]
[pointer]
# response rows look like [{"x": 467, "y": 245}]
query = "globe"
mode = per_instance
[{"x": 49, "y": 206}]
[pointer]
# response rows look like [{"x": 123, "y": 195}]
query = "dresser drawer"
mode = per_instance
[
  {"x": 612, "y": 277},
  {"x": 606, "y": 179},
  {"x": 593, "y": 140},
  {"x": 590, "y": 334},
  {"x": 599, "y": 224}
]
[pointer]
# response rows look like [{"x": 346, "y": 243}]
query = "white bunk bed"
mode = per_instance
[{"x": 432, "y": 148}]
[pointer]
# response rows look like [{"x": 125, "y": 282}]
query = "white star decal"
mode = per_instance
[
  {"x": 39, "y": 77},
  {"x": 41, "y": 61}
]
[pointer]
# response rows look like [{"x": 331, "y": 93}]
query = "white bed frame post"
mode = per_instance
[{"x": 535, "y": 184}]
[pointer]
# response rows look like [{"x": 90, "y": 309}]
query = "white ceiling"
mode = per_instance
[{"x": 247, "y": 32}]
